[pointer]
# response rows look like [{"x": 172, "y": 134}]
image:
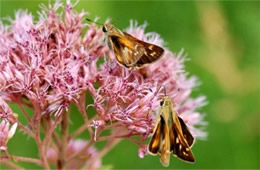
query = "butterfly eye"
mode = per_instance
[
  {"x": 104, "y": 29},
  {"x": 161, "y": 102}
]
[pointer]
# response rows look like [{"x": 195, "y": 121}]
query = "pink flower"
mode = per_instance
[
  {"x": 142, "y": 151},
  {"x": 6, "y": 113},
  {"x": 6, "y": 117},
  {"x": 50, "y": 64},
  {"x": 6, "y": 133}
]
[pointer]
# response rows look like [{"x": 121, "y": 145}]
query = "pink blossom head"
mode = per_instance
[
  {"x": 6, "y": 113},
  {"x": 6, "y": 133},
  {"x": 50, "y": 64},
  {"x": 7, "y": 117}
]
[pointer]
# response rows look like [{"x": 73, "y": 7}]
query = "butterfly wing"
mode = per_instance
[
  {"x": 151, "y": 52},
  {"x": 127, "y": 52},
  {"x": 160, "y": 142},
  {"x": 165, "y": 144},
  {"x": 154, "y": 145},
  {"x": 186, "y": 133},
  {"x": 179, "y": 144}
]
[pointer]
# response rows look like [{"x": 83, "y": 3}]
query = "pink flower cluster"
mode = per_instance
[{"x": 49, "y": 64}]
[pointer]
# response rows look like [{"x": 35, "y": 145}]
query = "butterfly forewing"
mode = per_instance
[
  {"x": 127, "y": 52},
  {"x": 160, "y": 142},
  {"x": 165, "y": 144},
  {"x": 155, "y": 142}
]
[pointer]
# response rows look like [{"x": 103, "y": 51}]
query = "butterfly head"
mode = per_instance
[
  {"x": 104, "y": 28},
  {"x": 110, "y": 29},
  {"x": 166, "y": 101}
]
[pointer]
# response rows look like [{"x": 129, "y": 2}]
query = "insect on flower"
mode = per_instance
[
  {"x": 130, "y": 51},
  {"x": 171, "y": 135}
]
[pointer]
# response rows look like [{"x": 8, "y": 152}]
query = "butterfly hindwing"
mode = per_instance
[{"x": 126, "y": 51}]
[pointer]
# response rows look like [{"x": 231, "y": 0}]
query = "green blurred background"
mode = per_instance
[{"x": 222, "y": 39}]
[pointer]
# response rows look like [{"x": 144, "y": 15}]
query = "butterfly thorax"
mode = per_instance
[
  {"x": 166, "y": 101},
  {"x": 167, "y": 108}
]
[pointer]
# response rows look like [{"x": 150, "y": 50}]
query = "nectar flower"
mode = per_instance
[
  {"x": 6, "y": 133},
  {"x": 6, "y": 112},
  {"x": 50, "y": 64}
]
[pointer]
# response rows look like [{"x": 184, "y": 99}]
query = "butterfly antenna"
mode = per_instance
[
  {"x": 93, "y": 21},
  {"x": 162, "y": 86}
]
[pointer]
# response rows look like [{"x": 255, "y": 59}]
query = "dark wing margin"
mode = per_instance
[
  {"x": 151, "y": 54},
  {"x": 186, "y": 133},
  {"x": 179, "y": 146}
]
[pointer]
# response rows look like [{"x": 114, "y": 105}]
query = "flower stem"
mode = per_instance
[
  {"x": 82, "y": 108},
  {"x": 8, "y": 163},
  {"x": 81, "y": 151},
  {"x": 38, "y": 140},
  {"x": 135, "y": 141},
  {"x": 42, "y": 153},
  {"x": 102, "y": 153},
  {"x": 83, "y": 128},
  {"x": 24, "y": 112},
  {"x": 112, "y": 126},
  {"x": 64, "y": 140},
  {"x": 79, "y": 131},
  {"x": 51, "y": 130},
  {"x": 26, "y": 130},
  {"x": 116, "y": 136},
  {"x": 26, "y": 159}
]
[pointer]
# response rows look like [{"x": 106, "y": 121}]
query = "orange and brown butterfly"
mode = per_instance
[
  {"x": 130, "y": 51},
  {"x": 171, "y": 135}
]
